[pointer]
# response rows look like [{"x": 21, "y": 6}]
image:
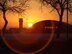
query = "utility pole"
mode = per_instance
[{"x": 67, "y": 19}]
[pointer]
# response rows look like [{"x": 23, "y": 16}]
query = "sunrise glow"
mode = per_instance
[{"x": 30, "y": 25}]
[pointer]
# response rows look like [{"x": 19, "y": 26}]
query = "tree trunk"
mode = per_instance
[
  {"x": 6, "y": 22},
  {"x": 59, "y": 27},
  {"x": 60, "y": 23}
]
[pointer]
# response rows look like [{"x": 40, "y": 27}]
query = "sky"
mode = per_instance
[{"x": 32, "y": 15}]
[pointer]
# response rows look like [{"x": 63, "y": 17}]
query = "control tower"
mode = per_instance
[{"x": 20, "y": 23}]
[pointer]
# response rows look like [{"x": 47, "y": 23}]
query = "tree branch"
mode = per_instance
[
  {"x": 4, "y": 2},
  {"x": 56, "y": 9},
  {"x": 1, "y": 4}
]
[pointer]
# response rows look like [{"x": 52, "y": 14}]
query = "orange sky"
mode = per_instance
[{"x": 33, "y": 15}]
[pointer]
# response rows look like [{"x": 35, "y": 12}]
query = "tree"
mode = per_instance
[
  {"x": 17, "y": 6},
  {"x": 60, "y": 6}
]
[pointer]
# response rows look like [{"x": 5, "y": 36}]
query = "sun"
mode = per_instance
[{"x": 30, "y": 25}]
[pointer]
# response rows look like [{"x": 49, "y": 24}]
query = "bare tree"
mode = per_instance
[
  {"x": 60, "y": 6},
  {"x": 17, "y": 6}
]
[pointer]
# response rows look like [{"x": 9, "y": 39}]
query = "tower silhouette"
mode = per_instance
[{"x": 20, "y": 23}]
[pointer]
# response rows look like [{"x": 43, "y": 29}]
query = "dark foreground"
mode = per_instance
[{"x": 55, "y": 47}]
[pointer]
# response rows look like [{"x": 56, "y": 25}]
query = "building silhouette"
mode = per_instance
[
  {"x": 20, "y": 27},
  {"x": 20, "y": 23}
]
